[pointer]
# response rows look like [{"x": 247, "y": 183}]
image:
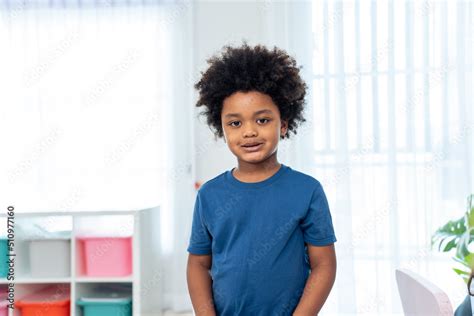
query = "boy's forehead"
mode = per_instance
[
  {"x": 248, "y": 103},
  {"x": 240, "y": 113}
]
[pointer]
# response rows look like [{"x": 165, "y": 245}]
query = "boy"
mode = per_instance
[{"x": 260, "y": 228}]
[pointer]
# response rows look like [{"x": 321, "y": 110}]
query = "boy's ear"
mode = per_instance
[{"x": 284, "y": 128}]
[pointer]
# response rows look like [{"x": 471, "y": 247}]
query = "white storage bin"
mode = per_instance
[{"x": 50, "y": 257}]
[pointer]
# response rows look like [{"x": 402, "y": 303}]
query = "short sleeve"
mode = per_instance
[
  {"x": 317, "y": 224},
  {"x": 200, "y": 240}
]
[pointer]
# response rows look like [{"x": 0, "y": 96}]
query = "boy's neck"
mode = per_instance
[{"x": 251, "y": 172}]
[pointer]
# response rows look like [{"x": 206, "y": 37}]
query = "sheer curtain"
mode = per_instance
[
  {"x": 81, "y": 104},
  {"x": 393, "y": 127},
  {"x": 389, "y": 135},
  {"x": 90, "y": 112}
]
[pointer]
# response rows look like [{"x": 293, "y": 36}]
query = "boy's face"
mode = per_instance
[{"x": 251, "y": 118}]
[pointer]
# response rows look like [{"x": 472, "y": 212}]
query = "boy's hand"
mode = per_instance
[
  {"x": 320, "y": 281},
  {"x": 200, "y": 284}
]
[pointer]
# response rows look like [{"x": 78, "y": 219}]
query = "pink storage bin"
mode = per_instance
[
  {"x": 107, "y": 256},
  {"x": 3, "y": 304}
]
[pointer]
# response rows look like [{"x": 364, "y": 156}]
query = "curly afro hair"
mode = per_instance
[{"x": 272, "y": 72}]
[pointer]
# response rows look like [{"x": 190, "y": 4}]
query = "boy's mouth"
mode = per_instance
[
  {"x": 251, "y": 144},
  {"x": 250, "y": 147}
]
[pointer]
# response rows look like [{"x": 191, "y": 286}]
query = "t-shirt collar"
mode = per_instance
[{"x": 253, "y": 185}]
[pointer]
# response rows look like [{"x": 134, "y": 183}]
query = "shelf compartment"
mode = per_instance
[
  {"x": 50, "y": 257},
  {"x": 45, "y": 252},
  {"x": 104, "y": 299},
  {"x": 4, "y": 253},
  {"x": 43, "y": 299},
  {"x": 105, "y": 256},
  {"x": 3, "y": 301}
]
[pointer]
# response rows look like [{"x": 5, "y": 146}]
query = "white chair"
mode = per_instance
[{"x": 420, "y": 297}]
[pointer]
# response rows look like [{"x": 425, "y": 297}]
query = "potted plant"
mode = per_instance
[{"x": 458, "y": 235}]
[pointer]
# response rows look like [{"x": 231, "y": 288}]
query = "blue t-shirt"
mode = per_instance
[{"x": 256, "y": 234}]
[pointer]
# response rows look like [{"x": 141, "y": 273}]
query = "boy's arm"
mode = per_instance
[
  {"x": 200, "y": 284},
  {"x": 320, "y": 280}
]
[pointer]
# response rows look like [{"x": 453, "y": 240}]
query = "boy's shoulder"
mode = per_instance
[
  {"x": 304, "y": 178},
  {"x": 212, "y": 184}
]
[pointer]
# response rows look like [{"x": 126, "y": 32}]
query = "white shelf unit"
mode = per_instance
[{"x": 145, "y": 282}]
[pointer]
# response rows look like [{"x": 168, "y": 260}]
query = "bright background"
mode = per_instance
[{"x": 97, "y": 112}]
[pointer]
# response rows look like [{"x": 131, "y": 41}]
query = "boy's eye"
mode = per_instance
[{"x": 237, "y": 123}]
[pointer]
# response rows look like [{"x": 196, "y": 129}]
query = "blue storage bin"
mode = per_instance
[
  {"x": 3, "y": 254},
  {"x": 106, "y": 306}
]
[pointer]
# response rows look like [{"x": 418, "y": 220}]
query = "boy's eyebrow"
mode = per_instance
[{"x": 256, "y": 113}]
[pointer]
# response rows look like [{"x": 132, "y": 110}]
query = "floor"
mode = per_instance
[{"x": 169, "y": 313}]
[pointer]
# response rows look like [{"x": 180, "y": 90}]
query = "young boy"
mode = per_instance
[{"x": 261, "y": 228}]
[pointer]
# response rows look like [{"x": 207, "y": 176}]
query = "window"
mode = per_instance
[{"x": 393, "y": 139}]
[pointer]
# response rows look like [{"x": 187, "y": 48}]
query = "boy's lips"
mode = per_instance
[
  {"x": 251, "y": 144},
  {"x": 251, "y": 147}
]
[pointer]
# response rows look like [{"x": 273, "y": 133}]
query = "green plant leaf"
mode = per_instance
[
  {"x": 461, "y": 261},
  {"x": 458, "y": 234},
  {"x": 465, "y": 279},
  {"x": 451, "y": 228},
  {"x": 440, "y": 237},
  {"x": 461, "y": 272},
  {"x": 470, "y": 210},
  {"x": 462, "y": 250},
  {"x": 450, "y": 245},
  {"x": 470, "y": 260}
]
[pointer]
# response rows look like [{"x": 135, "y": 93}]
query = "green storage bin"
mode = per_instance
[
  {"x": 3, "y": 254},
  {"x": 106, "y": 306}
]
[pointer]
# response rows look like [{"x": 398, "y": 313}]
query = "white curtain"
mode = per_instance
[
  {"x": 390, "y": 135},
  {"x": 93, "y": 112},
  {"x": 82, "y": 104},
  {"x": 286, "y": 26}
]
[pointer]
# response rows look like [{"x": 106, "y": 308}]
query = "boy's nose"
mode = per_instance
[{"x": 250, "y": 132}]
